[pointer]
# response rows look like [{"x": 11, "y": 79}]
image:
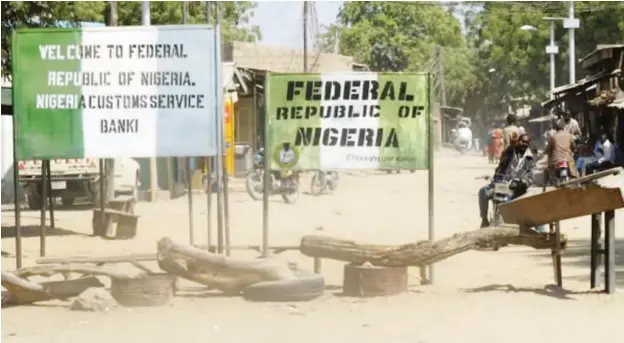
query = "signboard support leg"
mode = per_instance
[
  {"x": 17, "y": 200},
  {"x": 609, "y": 218},
  {"x": 596, "y": 253},
  {"x": 102, "y": 193},
  {"x": 43, "y": 194},
  {"x": 208, "y": 186},
  {"x": 226, "y": 210},
  {"x": 189, "y": 191},
  {"x": 430, "y": 179},
  {"x": 50, "y": 196},
  {"x": 219, "y": 127},
  {"x": 266, "y": 186}
]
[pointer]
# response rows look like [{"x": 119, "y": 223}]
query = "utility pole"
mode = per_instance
[
  {"x": 305, "y": 36},
  {"x": 337, "y": 42},
  {"x": 110, "y": 162},
  {"x": 145, "y": 21},
  {"x": 552, "y": 49},
  {"x": 441, "y": 75},
  {"x": 571, "y": 23}
]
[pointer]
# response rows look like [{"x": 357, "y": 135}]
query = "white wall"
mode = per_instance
[{"x": 7, "y": 159}]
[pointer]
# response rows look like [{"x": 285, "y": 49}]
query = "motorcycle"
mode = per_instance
[
  {"x": 502, "y": 192},
  {"x": 284, "y": 182},
  {"x": 323, "y": 180},
  {"x": 562, "y": 172}
]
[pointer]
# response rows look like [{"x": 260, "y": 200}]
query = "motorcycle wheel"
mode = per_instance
[
  {"x": 333, "y": 182},
  {"x": 292, "y": 196},
  {"x": 254, "y": 184},
  {"x": 318, "y": 183}
]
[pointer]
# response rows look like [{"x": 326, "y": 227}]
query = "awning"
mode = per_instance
[
  {"x": 231, "y": 77},
  {"x": 585, "y": 82},
  {"x": 542, "y": 119},
  {"x": 619, "y": 101}
]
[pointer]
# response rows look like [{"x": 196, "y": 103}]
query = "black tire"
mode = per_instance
[
  {"x": 303, "y": 288},
  {"x": 253, "y": 177},
  {"x": 34, "y": 200},
  {"x": 95, "y": 194},
  {"x": 68, "y": 201},
  {"x": 292, "y": 197},
  {"x": 316, "y": 186}
]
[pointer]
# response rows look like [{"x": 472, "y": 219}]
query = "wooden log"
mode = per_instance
[
  {"x": 22, "y": 291},
  {"x": 80, "y": 269},
  {"x": 227, "y": 274},
  {"x": 421, "y": 253}
]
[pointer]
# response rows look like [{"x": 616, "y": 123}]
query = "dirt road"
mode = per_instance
[{"x": 477, "y": 297}]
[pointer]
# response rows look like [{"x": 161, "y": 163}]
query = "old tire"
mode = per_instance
[
  {"x": 318, "y": 183},
  {"x": 34, "y": 200},
  {"x": 306, "y": 287},
  {"x": 67, "y": 201}
]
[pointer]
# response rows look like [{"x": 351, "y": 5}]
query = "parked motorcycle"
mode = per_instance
[
  {"x": 323, "y": 180},
  {"x": 284, "y": 182}
]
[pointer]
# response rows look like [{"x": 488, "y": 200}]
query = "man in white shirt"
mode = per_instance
[
  {"x": 605, "y": 156},
  {"x": 464, "y": 136},
  {"x": 286, "y": 155}
]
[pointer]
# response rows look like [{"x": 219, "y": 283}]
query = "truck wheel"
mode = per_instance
[
  {"x": 67, "y": 201},
  {"x": 34, "y": 200}
]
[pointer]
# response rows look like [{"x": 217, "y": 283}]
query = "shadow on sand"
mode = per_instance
[{"x": 34, "y": 231}]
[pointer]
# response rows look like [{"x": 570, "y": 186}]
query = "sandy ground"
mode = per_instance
[{"x": 477, "y": 296}]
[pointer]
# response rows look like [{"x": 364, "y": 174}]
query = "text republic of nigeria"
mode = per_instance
[
  {"x": 350, "y": 93},
  {"x": 129, "y": 78}
]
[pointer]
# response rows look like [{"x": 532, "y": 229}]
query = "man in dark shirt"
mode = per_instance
[{"x": 516, "y": 162}]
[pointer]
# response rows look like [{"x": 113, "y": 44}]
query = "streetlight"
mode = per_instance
[{"x": 551, "y": 49}]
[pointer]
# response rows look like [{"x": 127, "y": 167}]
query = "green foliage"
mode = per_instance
[
  {"x": 522, "y": 66},
  {"x": 234, "y": 14},
  {"x": 393, "y": 36},
  {"x": 19, "y": 14}
]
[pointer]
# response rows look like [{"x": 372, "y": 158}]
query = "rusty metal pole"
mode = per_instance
[{"x": 43, "y": 197}]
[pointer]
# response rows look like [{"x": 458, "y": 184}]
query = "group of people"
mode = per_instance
[
  {"x": 499, "y": 138},
  {"x": 519, "y": 161}
]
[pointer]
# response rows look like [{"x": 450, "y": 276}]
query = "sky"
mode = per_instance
[{"x": 281, "y": 22}]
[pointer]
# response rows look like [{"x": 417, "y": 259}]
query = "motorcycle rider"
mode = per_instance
[
  {"x": 516, "y": 162},
  {"x": 561, "y": 147},
  {"x": 464, "y": 136}
]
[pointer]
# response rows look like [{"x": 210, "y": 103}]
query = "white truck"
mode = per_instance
[{"x": 76, "y": 178}]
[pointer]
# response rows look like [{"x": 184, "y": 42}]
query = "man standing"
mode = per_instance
[
  {"x": 570, "y": 124},
  {"x": 510, "y": 132},
  {"x": 561, "y": 148}
]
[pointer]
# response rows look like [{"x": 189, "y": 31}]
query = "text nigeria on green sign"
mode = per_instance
[
  {"x": 348, "y": 121},
  {"x": 115, "y": 92}
]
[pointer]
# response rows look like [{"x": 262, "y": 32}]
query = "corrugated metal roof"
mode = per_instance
[{"x": 589, "y": 80}]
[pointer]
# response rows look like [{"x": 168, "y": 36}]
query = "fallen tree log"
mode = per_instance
[
  {"x": 227, "y": 274},
  {"x": 422, "y": 253},
  {"x": 22, "y": 291},
  {"x": 79, "y": 269}
]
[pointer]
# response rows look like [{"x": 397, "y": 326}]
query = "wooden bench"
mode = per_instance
[{"x": 119, "y": 220}]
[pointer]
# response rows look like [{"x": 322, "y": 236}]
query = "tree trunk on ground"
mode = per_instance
[
  {"x": 22, "y": 291},
  {"x": 79, "y": 269},
  {"x": 421, "y": 253},
  {"x": 227, "y": 274}
]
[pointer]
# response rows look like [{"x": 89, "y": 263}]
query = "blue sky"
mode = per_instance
[{"x": 281, "y": 22}]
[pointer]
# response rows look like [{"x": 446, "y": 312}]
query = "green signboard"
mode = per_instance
[{"x": 348, "y": 120}]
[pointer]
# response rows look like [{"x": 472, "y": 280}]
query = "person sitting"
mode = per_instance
[
  {"x": 605, "y": 154},
  {"x": 515, "y": 162}
]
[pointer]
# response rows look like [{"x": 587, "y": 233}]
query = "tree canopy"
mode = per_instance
[
  {"x": 20, "y": 14},
  {"x": 488, "y": 60}
]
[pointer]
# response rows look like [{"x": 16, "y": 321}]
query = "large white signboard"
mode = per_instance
[{"x": 116, "y": 91}]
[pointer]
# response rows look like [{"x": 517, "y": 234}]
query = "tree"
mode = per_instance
[
  {"x": 522, "y": 71},
  {"x": 392, "y": 36},
  {"x": 20, "y": 14},
  {"x": 235, "y": 16}
]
